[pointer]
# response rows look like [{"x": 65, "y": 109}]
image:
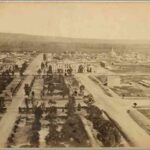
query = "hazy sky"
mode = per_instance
[{"x": 83, "y": 20}]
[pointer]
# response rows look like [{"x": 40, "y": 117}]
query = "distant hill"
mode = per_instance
[{"x": 24, "y": 42}]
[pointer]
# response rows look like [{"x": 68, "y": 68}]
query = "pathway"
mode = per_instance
[{"x": 9, "y": 118}]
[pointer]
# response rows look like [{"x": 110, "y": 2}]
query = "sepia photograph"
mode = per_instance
[{"x": 74, "y": 74}]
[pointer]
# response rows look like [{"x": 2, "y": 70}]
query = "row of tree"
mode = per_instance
[
  {"x": 107, "y": 132},
  {"x": 36, "y": 126}
]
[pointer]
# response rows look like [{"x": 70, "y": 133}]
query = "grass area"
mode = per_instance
[
  {"x": 145, "y": 112},
  {"x": 128, "y": 91}
]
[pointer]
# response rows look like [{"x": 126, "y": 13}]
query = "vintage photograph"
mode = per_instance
[{"x": 74, "y": 74}]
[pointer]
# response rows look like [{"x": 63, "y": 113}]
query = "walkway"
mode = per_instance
[{"x": 9, "y": 118}]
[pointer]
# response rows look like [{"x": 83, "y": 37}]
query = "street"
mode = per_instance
[{"x": 117, "y": 110}]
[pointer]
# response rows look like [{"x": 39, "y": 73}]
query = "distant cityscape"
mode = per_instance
[{"x": 74, "y": 99}]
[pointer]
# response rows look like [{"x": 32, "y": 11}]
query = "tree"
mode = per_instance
[
  {"x": 36, "y": 124},
  {"x": 38, "y": 113},
  {"x": 51, "y": 114},
  {"x": 75, "y": 82},
  {"x": 109, "y": 134},
  {"x": 71, "y": 106},
  {"x": 34, "y": 139},
  {"x": 94, "y": 112},
  {"x": 16, "y": 68},
  {"x": 27, "y": 89},
  {"x": 79, "y": 107},
  {"x": 50, "y": 71},
  {"x": 82, "y": 87},
  {"x": 90, "y": 100},
  {"x": 53, "y": 136},
  {"x": 51, "y": 88},
  {"x": 42, "y": 66},
  {"x": 134, "y": 105},
  {"x": 65, "y": 91},
  {"x": 21, "y": 72},
  {"x": 73, "y": 128},
  {"x": 2, "y": 104},
  {"x": 80, "y": 69},
  {"x": 69, "y": 71},
  {"x": 44, "y": 57},
  {"x": 46, "y": 63},
  {"x": 24, "y": 66},
  {"x": 89, "y": 69},
  {"x": 39, "y": 71}
]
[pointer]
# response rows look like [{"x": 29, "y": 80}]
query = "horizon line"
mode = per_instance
[{"x": 66, "y": 37}]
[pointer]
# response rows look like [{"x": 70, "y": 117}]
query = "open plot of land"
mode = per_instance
[
  {"x": 145, "y": 111},
  {"x": 128, "y": 86}
]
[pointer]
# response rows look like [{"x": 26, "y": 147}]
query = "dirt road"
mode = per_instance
[{"x": 116, "y": 109}]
